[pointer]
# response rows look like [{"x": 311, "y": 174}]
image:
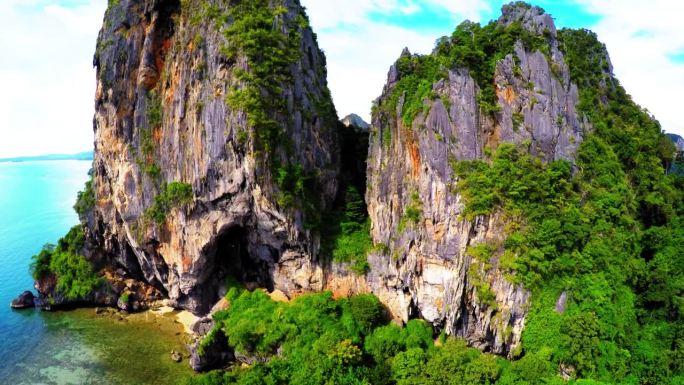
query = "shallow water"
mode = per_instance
[{"x": 75, "y": 347}]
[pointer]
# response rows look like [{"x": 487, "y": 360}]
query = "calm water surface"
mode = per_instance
[{"x": 76, "y": 347}]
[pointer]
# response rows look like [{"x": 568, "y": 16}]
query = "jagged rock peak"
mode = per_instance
[
  {"x": 677, "y": 140},
  {"x": 532, "y": 18},
  {"x": 356, "y": 121}
]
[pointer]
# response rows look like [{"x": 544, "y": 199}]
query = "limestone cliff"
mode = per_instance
[
  {"x": 424, "y": 268},
  {"x": 216, "y": 156},
  {"x": 246, "y": 137}
]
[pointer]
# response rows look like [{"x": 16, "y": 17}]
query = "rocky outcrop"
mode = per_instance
[
  {"x": 166, "y": 112},
  {"x": 23, "y": 301},
  {"x": 355, "y": 121},
  {"x": 678, "y": 141},
  {"x": 423, "y": 269},
  {"x": 115, "y": 291}
]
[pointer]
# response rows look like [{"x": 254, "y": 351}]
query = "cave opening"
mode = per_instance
[{"x": 233, "y": 261}]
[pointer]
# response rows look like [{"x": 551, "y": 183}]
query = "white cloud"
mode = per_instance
[
  {"x": 47, "y": 80},
  {"x": 640, "y": 36},
  {"x": 465, "y": 9},
  {"x": 46, "y": 76}
]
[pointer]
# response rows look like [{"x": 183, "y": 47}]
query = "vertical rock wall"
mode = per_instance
[
  {"x": 424, "y": 270},
  {"x": 162, "y": 117}
]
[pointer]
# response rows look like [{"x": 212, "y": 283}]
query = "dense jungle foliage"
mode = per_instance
[{"x": 75, "y": 276}]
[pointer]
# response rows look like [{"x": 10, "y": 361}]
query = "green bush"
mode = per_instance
[
  {"x": 76, "y": 276},
  {"x": 413, "y": 212},
  {"x": 85, "y": 200},
  {"x": 40, "y": 263},
  {"x": 353, "y": 245},
  {"x": 367, "y": 311},
  {"x": 154, "y": 110},
  {"x": 172, "y": 195},
  {"x": 346, "y": 233}
]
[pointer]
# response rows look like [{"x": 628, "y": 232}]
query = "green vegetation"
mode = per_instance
[
  {"x": 145, "y": 158},
  {"x": 413, "y": 212},
  {"x": 518, "y": 121},
  {"x": 76, "y": 276},
  {"x": 318, "y": 340},
  {"x": 147, "y": 149},
  {"x": 470, "y": 47},
  {"x": 386, "y": 136},
  {"x": 174, "y": 194},
  {"x": 347, "y": 234},
  {"x": 255, "y": 33},
  {"x": 125, "y": 297},
  {"x": 154, "y": 110},
  {"x": 85, "y": 200}
]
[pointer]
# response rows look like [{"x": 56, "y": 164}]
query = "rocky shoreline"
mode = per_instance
[
  {"x": 105, "y": 304},
  {"x": 120, "y": 298}
]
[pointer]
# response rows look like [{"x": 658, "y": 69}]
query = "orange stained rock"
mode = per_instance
[
  {"x": 506, "y": 93},
  {"x": 415, "y": 160},
  {"x": 157, "y": 134},
  {"x": 187, "y": 262},
  {"x": 160, "y": 54}
]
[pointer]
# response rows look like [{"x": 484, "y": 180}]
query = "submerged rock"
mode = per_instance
[
  {"x": 25, "y": 300},
  {"x": 176, "y": 357}
]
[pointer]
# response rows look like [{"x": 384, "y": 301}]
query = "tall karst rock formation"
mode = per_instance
[
  {"x": 427, "y": 267},
  {"x": 215, "y": 148}
]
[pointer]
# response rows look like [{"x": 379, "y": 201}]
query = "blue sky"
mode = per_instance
[
  {"x": 48, "y": 84},
  {"x": 425, "y": 17}
]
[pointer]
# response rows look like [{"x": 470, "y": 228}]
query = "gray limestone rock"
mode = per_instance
[
  {"x": 425, "y": 270},
  {"x": 353, "y": 120},
  {"x": 151, "y": 54}
]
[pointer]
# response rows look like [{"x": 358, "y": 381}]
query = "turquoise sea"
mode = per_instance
[{"x": 75, "y": 347}]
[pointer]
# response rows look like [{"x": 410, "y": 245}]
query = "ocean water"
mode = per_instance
[{"x": 74, "y": 347}]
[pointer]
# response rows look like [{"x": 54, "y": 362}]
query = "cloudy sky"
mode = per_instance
[{"x": 47, "y": 81}]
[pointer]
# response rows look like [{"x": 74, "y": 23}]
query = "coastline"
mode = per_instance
[{"x": 109, "y": 347}]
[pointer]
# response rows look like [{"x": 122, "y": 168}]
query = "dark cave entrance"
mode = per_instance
[{"x": 234, "y": 262}]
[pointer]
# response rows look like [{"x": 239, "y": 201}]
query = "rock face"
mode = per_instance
[
  {"x": 356, "y": 121},
  {"x": 677, "y": 140},
  {"x": 424, "y": 269},
  {"x": 23, "y": 301},
  {"x": 163, "y": 115}
]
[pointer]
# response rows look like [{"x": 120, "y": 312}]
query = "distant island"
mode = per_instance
[{"x": 87, "y": 155}]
